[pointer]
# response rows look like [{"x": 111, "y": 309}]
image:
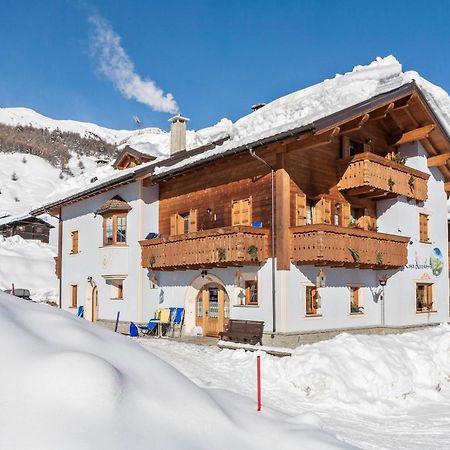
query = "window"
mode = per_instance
[
  {"x": 310, "y": 212},
  {"x": 74, "y": 236},
  {"x": 424, "y": 297},
  {"x": 183, "y": 223},
  {"x": 116, "y": 292},
  {"x": 311, "y": 301},
  {"x": 350, "y": 147},
  {"x": 241, "y": 212},
  {"x": 251, "y": 292},
  {"x": 355, "y": 307},
  {"x": 423, "y": 227},
  {"x": 115, "y": 229},
  {"x": 74, "y": 295}
]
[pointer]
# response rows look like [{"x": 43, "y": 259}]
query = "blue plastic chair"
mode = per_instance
[
  {"x": 151, "y": 327},
  {"x": 177, "y": 320},
  {"x": 80, "y": 312}
]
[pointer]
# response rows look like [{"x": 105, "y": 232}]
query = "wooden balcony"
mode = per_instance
[
  {"x": 372, "y": 176},
  {"x": 219, "y": 247},
  {"x": 330, "y": 245}
]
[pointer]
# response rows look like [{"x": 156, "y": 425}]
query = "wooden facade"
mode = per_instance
[
  {"x": 27, "y": 228},
  {"x": 326, "y": 188}
]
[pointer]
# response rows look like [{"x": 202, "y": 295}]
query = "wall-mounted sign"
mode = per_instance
[{"x": 435, "y": 262}]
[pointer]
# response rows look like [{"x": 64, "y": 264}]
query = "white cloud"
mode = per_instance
[{"x": 115, "y": 64}]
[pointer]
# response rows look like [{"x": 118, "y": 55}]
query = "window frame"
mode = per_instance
[
  {"x": 114, "y": 217},
  {"x": 353, "y": 305},
  {"x": 73, "y": 295},
  {"x": 429, "y": 291},
  {"x": 248, "y": 284},
  {"x": 316, "y": 310}
]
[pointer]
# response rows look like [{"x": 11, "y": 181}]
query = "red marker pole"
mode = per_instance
[
  {"x": 258, "y": 381},
  {"x": 13, "y": 290}
]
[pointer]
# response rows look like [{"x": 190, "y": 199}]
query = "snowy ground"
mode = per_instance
[
  {"x": 375, "y": 392},
  {"x": 66, "y": 383},
  {"x": 29, "y": 264}
]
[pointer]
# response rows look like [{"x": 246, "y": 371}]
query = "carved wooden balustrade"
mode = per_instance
[
  {"x": 331, "y": 245},
  {"x": 219, "y": 247},
  {"x": 372, "y": 176}
]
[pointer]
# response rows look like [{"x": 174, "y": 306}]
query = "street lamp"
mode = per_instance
[{"x": 383, "y": 279}]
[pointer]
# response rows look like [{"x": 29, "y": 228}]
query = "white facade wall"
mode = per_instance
[{"x": 100, "y": 263}]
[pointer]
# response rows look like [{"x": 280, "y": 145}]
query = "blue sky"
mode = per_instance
[{"x": 217, "y": 58}]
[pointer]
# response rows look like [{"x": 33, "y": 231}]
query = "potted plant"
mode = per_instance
[
  {"x": 253, "y": 252},
  {"x": 221, "y": 254}
]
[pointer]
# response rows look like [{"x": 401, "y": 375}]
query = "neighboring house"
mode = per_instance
[
  {"x": 25, "y": 226},
  {"x": 359, "y": 207}
]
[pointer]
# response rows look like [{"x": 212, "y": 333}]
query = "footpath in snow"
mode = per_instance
[{"x": 375, "y": 392}]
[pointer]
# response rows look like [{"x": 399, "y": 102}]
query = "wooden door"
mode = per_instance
[
  {"x": 94, "y": 304},
  {"x": 212, "y": 309}
]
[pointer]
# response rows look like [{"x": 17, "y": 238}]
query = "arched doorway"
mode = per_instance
[
  {"x": 212, "y": 309},
  {"x": 94, "y": 304}
]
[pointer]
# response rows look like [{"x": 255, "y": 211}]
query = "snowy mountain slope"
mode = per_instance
[
  {"x": 27, "y": 180},
  {"x": 147, "y": 140},
  {"x": 69, "y": 384}
]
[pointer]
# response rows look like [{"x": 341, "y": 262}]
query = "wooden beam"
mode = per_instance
[
  {"x": 316, "y": 140},
  {"x": 413, "y": 135},
  {"x": 447, "y": 186},
  {"x": 282, "y": 213},
  {"x": 355, "y": 124},
  {"x": 438, "y": 160},
  {"x": 381, "y": 113}
]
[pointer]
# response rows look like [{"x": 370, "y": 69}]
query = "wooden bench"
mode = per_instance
[{"x": 243, "y": 331}]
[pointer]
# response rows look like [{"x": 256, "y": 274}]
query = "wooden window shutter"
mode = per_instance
[
  {"x": 300, "y": 209},
  {"x": 173, "y": 224},
  {"x": 74, "y": 241},
  {"x": 318, "y": 212},
  {"x": 326, "y": 210},
  {"x": 345, "y": 146},
  {"x": 369, "y": 219},
  {"x": 192, "y": 221},
  {"x": 345, "y": 214},
  {"x": 423, "y": 227},
  {"x": 246, "y": 211},
  {"x": 236, "y": 213},
  {"x": 180, "y": 224},
  {"x": 241, "y": 212}
]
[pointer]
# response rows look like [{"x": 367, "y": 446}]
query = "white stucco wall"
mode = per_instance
[{"x": 101, "y": 263}]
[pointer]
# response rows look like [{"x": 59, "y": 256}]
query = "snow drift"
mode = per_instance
[
  {"x": 30, "y": 265},
  {"x": 66, "y": 383}
]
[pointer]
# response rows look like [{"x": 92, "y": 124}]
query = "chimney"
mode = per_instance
[{"x": 177, "y": 134}]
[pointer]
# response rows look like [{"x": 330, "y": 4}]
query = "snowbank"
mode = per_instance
[
  {"x": 66, "y": 383},
  {"x": 30, "y": 265},
  {"x": 364, "y": 373}
]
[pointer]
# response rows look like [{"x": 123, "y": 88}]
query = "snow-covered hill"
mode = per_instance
[{"x": 68, "y": 384}]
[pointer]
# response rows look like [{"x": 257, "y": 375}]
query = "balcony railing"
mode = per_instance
[
  {"x": 372, "y": 176},
  {"x": 347, "y": 247},
  {"x": 219, "y": 247}
]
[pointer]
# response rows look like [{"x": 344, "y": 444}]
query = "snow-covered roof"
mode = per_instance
[
  {"x": 296, "y": 111},
  {"x": 20, "y": 218}
]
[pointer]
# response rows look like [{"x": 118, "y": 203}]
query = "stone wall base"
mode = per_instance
[{"x": 292, "y": 340}]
